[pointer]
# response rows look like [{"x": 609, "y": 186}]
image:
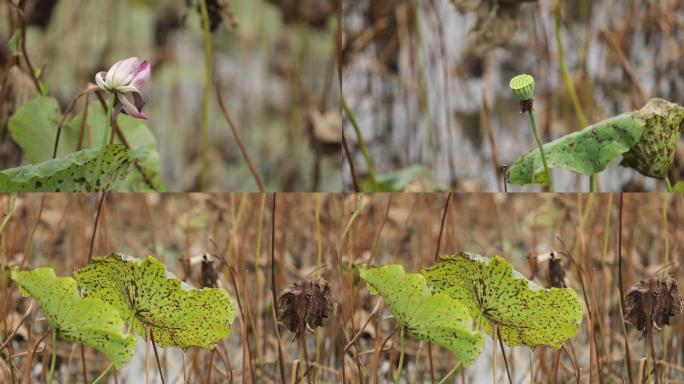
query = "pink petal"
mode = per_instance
[
  {"x": 100, "y": 80},
  {"x": 131, "y": 109},
  {"x": 141, "y": 75},
  {"x": 121, "y": 72}
]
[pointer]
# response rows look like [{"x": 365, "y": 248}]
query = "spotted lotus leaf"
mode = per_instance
[
  {"x": 89, "y": 321},
  {"x": 495, "y": 293},
  {"x": 147, "y": 295},
  {"x": 425, "y": 315},
  {"x": 73, "y": 173},
  {"x": 646, "y": 139},
  {"x": 587, "y": 152},
  {"x": 654, "y": 153}
]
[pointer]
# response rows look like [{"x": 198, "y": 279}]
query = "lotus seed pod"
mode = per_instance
[
  {"x": 522, "y": 86},
  {"x": 653, "y": 155}
]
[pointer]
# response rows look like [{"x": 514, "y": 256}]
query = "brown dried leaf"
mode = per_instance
[
  {"x": 652, "y": 302},
  {"x": 305, "y": 304}
]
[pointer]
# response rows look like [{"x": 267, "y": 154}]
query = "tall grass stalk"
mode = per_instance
[{"x": 207, "y": 92}]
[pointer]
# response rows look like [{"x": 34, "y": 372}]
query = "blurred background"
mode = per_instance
[
  {"x": 274, "y": 62},
  {"x": 427, "y": 82}
]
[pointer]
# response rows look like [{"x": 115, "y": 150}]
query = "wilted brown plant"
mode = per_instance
[{"x": 305, "y": 304}]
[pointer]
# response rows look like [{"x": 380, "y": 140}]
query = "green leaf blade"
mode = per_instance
[
  {"x": 495, "y": 293},
  {"x": 88, "y": 321},
  {"x": 586, "y": 152},
  {"x": 146, "y": 294},
  {"x": 73, "y": 173},
  {"x": 426, "y": 316}
]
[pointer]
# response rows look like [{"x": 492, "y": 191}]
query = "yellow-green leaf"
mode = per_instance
[
  {"x": 89, "y": 321},
  {"x": 425, "y": 315},
  {"x": 147, "y": 295},
  {"x": 496, "y": 294}
]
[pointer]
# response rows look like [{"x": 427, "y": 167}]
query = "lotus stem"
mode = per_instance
[
  {"x": 108, "y": 124},
  {"x": 533, "y": 124},
  {"x": 451, "y": 373},
  {"x": 207, "y": 92},
  {"x": 362, "y": 143},
  {"x": 105, "y": 138},
  {"x": 104, "y": 374},
  {"x": 397, "y": 375},
  {"x": 53, "y": 359}
]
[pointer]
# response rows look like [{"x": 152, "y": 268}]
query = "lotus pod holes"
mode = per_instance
[{"x": 523, "y": 87}]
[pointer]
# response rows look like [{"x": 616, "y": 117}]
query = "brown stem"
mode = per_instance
[
  {"x": 352, "y": 170},
  {"x": 281, "y": 362},
  {"x": 85, "y": 367},
  {"x": 97, "y": 220},
  {"x": 441, "y": 228},
  {"x": 156, "y": 357},
  {"x": 238, "y": 140},
  {"x": 621, "y": 294}
]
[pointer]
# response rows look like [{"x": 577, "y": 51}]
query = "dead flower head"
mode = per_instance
[
  {"x": 652, "y": 302},
  {"x": 305, "y": 304}
]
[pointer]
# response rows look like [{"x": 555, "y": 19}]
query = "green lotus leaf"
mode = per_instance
[
  {"x": 73, "y": 173},
  {"x": 89, "y": 321},
  {"x": 647, "y": 139},
  {"x": 34, "y": 128},
  {"x": 587, "y": 152},
  {"x": 147, "y": 295},
  {"x": 425, "y": 315},
  {"x": 496, "y": 294}
]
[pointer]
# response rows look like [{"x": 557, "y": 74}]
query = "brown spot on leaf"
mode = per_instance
[
  {"x": 652, "y": 302},
  {"x": 305, "y": 304}
]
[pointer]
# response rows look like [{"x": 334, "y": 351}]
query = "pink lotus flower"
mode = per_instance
[{"x": 126, "y": 78}]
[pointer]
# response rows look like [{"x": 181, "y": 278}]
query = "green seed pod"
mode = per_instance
[{"x": 522, "y": 86}]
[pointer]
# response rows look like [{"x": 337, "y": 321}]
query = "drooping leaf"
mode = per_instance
[
  {"x": 147, "y": 295},
  {"x": 34, "y": 128},
  {"x": 587, "y": 152},
  {"x": 495, "y": 293},
  {"x": 425, "y": 315},
  {"x": 654, "y": 153},
  {"x": 73, "y": 173},
  {"x": 89, "y": 321},
  {"x": 647, "y": 138}
]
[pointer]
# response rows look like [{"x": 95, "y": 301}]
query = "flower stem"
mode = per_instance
[
  {"x": 108, "y": 126},
  {"x": 541, "y": 149},
  {"x": 104, "y": 374},
  {"x": 207, "y": 92},
  {"x": 669, "y": 185},
  {"x": 397, "y": 375},
  {"x": 105, "y": 139},
  {"x": 53, "y": 360},
  {"x": 451, "y": 373}
]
